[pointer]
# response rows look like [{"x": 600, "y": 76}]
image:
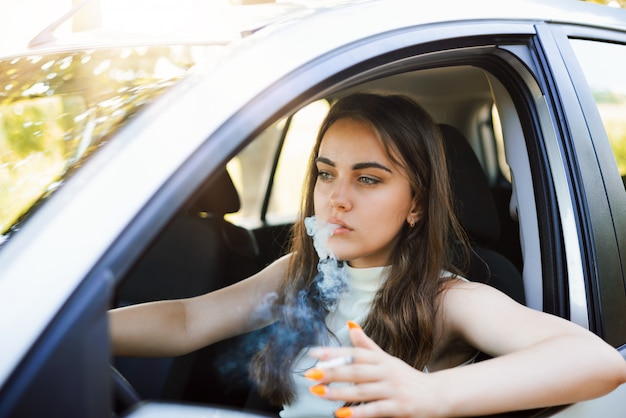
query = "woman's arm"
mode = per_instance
[
  {"x": 542, "y": 360},
  {"x": 176, "y": 327},
  {"x": 539, "y": 359}
]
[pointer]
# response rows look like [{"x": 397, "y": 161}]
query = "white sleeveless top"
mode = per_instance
[{"x": 354, "y": 305}]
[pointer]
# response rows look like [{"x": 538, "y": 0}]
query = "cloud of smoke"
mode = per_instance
[
  {"x": 332, "y": 278},
  {"x": 329, "y": 284}
]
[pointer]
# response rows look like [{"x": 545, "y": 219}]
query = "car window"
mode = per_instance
[
  {"x": 603, "y": 64},
  {"x": 56, "y": 110},
  {"x": 251, "y": 170},
  {"x": 291, "y": 169},
  {"x": 503, "y": 166}
]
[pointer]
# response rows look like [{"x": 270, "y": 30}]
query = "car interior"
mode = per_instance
[{"x": 205, "y": 246}]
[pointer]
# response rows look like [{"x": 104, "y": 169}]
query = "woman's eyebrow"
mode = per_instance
[
  {"x": 360, "y": 166},
  {"x": 357, "y": 166},
  {"x": 324, "y": 160}
]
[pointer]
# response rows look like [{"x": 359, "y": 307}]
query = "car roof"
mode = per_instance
[{"x": 244, "y": 19}]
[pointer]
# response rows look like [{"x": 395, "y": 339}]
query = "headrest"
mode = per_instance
[
  {"x": 475, "y": 206},
  {"x": 219, "y": 197}
]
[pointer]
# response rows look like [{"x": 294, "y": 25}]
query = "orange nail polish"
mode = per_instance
[
  {"x": 344, "y": 412},
  {"x": 319, "y": 390},
  {"x": 314, "y": 374},
  {"x": 353, "y": 325}
]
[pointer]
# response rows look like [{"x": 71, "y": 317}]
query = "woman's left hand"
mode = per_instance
[{"x": 382, "y": 385}]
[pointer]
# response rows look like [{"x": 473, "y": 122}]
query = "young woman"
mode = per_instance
[{"x": 377, "y": 222}]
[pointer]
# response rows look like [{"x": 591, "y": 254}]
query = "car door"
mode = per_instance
[
  {"x": 591, "y": 98},
  {"x": 521, "y": 73}
]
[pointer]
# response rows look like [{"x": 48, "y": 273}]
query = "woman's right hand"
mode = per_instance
[{"x": 382, "y": 385}]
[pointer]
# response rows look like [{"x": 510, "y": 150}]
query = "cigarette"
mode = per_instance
[{"x": 335, "y": 362}]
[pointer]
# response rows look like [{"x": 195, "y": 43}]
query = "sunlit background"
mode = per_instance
[{"x": 21, "y": 20}]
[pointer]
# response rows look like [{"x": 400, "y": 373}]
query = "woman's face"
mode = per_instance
[{"x": 362, "y": 191}]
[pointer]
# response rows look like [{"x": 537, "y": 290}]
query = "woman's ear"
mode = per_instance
[{"x": 414, "y": 214}]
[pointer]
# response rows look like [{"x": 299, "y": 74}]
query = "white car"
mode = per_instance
[{"x": 136, "y": 168}]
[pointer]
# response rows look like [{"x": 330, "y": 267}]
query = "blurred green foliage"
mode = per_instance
[
  {"x": 56, "y": 110},
  {"x": 616, "y": 130}
]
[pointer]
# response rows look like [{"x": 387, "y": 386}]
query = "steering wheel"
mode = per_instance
[
  {"x": 125, "y": 397},
  {"x": 124, "y": 394}
]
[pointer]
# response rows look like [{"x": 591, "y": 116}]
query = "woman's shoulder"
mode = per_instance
[
  {"x": 458, "y": 289},
  {"x": 279, "y": 264},
  {"x": 469, "y": 309},
  {"x": 457, "y": 281},
  {"x": 464, "y": 303}
]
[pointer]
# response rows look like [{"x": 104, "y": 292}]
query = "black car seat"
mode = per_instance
[
  {"x": 199, "y": 251},
  {"x": 479, "y": 217}
]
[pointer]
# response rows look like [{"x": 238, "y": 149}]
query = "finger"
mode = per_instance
[
  {"x": 384, "y": 408},
  {"x": 360, "y": 339},
  {"x": 321, "y": 370},
  {"x": 363, "y": 392},
  {"x": 354, "y": 373}
]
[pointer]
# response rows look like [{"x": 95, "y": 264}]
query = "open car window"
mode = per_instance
[
  {"x": 270, "y": 172},
  {"x": 603, "y": 65}
]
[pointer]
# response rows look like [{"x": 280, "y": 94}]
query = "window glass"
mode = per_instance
[
  {"x": 505, "y": 170},
  {"x": 57, "y": 109},
  {"x": 291, "y": 170},
  {"x": 603, "y": 64},
  {"x": 250, "y": 171}
]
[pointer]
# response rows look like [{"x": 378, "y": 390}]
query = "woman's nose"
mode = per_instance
[{"x": 340, "y": 196}]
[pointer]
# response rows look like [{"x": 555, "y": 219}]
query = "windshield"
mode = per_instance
[{"x": 56, "y": 110}]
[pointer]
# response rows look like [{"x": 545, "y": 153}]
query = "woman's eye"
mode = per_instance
[
  {"x": 368, "y": 180},
  {"x": 324, "y": 176}
]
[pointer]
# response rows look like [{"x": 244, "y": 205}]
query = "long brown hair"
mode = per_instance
[{"x": 402, "y": 315}]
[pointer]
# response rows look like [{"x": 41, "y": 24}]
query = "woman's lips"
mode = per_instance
[
  {"x": 340, "y": 231},
  {"x": 339, "y": 227}
]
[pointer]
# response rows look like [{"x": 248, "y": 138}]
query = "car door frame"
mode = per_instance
[{"x": 597, "y": 191}]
